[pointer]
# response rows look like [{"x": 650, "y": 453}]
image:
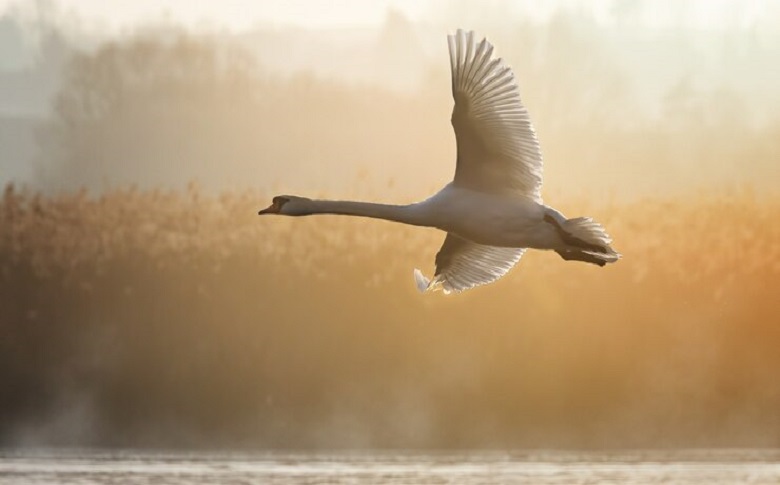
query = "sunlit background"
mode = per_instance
[{"x": 143, "y": 303}]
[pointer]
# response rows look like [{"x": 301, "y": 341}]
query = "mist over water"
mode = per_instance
[
  {"x": 143, "y": 304},
  {"x": 685, "y": 467}
]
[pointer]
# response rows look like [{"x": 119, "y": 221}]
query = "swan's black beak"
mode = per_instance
[
  {"x": 275, "y": 207},
  {"x": 271, "y": 209}
]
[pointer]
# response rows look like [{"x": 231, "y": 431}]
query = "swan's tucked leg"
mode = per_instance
[{"x": 575, "y": 255}]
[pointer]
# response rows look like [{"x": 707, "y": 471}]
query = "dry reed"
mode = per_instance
[{"x": 180, "y": 318}]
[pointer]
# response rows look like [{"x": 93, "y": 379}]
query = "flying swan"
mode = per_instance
[{"x": 492, "y": 210}]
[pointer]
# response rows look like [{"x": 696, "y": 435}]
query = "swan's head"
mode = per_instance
[{"x": 288, "y": 205}]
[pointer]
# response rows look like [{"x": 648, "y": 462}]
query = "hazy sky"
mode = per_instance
[
  {"x": 236, "y": 14},
  {"x": 243, "y": 14}
]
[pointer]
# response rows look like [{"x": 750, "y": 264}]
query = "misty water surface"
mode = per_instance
[{"x": 537, "y": 467}]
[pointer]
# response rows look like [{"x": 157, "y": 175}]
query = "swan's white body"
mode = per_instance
[
  {"x": 520, "y": 220},
  {"x": 492, "y": 211}
]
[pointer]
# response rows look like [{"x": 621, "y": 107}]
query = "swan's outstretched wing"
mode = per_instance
[
  {"x": 497, "y": 147},
  {"x": 462, "y": 264}
]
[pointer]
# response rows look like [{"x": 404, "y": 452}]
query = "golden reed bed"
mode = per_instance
[{"x": 179, "y": 318}]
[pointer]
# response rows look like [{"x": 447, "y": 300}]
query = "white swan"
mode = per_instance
[{"x": 492, "y": 210}]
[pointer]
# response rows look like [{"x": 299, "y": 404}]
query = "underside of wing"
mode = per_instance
[
  {"x": 462, "y": 264},
  {"x": 498, "y": 151}
]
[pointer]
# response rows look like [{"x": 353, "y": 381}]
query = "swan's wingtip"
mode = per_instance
[{"x": 422, "y": 282}]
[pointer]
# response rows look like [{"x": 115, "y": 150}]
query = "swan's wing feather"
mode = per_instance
[
  {"x": 497, "y": 147},
  {"x": 462, "y": 264}
]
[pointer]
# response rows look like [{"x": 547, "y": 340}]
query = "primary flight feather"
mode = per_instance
[{"x": 492, "y": 210}]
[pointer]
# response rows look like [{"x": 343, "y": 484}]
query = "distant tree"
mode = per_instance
[
  {"x": 166, "y": 108},
  {"x": 158, "y": 108},
  {"x": 400, "y": 57}
]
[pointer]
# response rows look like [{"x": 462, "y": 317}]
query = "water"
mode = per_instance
[{"x": 699, "y": 467}]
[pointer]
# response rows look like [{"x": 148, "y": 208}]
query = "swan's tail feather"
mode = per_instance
[{"x": 590, "y": 238}]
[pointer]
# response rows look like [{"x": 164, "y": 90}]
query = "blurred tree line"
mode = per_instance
[
  {"x": 165, "y": 107},
  {"x": 152, "y": 109}
]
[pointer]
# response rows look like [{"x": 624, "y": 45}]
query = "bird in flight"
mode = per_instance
[{"x": 492, "y": 211}]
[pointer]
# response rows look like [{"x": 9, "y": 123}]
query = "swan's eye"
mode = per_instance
[{"x": 279, "y": 201}]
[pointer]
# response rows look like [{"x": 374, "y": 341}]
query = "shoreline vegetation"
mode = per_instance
[{"x": 178, "y": 318}]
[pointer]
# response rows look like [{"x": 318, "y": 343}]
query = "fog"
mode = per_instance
[{"x": 628, "y": 98}]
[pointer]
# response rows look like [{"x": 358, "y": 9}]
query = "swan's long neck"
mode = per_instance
[{"x": 413, "y": 214}]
